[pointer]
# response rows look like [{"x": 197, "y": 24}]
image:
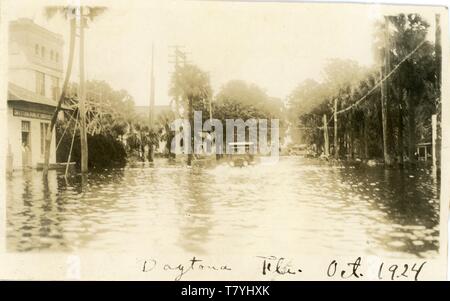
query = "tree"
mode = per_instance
[
  {"x": 411, "y": 66},
  {"x": 193, "y": 86},
  {"x": 411, "y": 82},
  {"x": 110, "y": 114},
  {"x": 306, "y": 103},
  {"x": 165, "y": 133},
  {"x": 68, "y": 12},
  {"x": 310, "y": 100},
  {"x": 238, "y": 99}
]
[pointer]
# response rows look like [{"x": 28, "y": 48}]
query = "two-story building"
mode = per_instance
[{"x": 34, "y": 81}]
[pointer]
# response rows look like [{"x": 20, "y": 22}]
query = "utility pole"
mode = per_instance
[
  {"x": 325, "y": 136},
  {"x": 179, "y": 56},
  {"x": 384, "y": 90},
  {"x": 152, "y": 108},
  {"x": 180, "y": 59},
  {"x": 82, "y": 99},
  {"x": 436, "y": 119},
  {"x": 336, "y": 146},
  {"x": 210, "y": 110}
]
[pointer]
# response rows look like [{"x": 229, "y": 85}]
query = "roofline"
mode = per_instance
[
  {"x": 34, "y": 26},
  {"x": 63, "y": 107}
]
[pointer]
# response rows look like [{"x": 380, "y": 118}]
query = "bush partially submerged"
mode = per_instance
[{"x": 103, "y": 151}]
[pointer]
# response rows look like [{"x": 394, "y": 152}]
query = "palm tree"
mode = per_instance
[
  {"x": 192, "y": 84},
  {"x": 68, "y": 12},
  {"x": 165, "y": 133}
]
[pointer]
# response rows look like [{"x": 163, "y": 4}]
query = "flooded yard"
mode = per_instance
[{"x": 304, "y": 206}]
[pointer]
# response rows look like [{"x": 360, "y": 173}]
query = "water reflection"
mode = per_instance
[
  {"x": 296, "y": 205},
  {"x": 196, "y": 211}
]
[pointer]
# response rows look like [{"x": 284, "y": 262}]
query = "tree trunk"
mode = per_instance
[
  {"x": 400, "y": 127},
  {"x": 384, "y": 113},
  {"x": 411, "y": 129},
  {"x": 191, "y": 122},
  {"x": 150, "y": 152},
  {"x": 336, "y": 146},
  {"x": 352, "y": 137},
  {"x": 384, "y": 97},
  {"x": 142, "y": 146},
  {"x": 168, "y": 141},
  {"x": 400, "y": 136},
  {"x": 48, "y": 137},
  {"x": 326, "y": 146},
  {"x": 365, "y": 138}
]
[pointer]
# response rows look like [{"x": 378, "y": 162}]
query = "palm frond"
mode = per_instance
[
  {"x": 51, "y": 11},
  {"x": 95, "y": 11}
]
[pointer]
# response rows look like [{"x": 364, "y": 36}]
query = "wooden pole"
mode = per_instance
[
  {"x": 384, "y": 111},
  {"x": 71, "y": 147},
  {"x": 336, "y": 146},
  {"x": 433, "y": 137},
  {"x": 384, "y": 123},
  {"x": 191, "y": 121},
  {"x": 325, "y": 136},
  {"x": 49, "y": 135},
  {"x": 437, "y": 130},
  {"x": 82, "y": 97}
]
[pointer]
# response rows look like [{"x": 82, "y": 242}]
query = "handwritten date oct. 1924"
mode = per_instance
[{"x": 351, "y": 270}]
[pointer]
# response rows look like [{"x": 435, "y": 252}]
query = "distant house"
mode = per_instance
[
  {"x": 34, "y": 81},
  {"x": 424, "y": 151}
]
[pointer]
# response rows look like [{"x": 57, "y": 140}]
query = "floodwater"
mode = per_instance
[{"x": 303, "y": 206}]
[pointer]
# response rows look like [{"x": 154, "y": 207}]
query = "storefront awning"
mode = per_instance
[{"x": 17, "y": 93}]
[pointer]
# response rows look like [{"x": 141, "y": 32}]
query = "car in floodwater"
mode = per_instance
[
  {"x": 241, "y": 154},
  {"x": 298, "y": 150}
]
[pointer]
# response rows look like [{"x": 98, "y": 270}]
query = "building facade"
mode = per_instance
[{"x": 34, "y": 79}]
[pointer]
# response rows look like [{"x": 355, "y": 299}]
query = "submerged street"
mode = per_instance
[{"x": 304, "y": 206}]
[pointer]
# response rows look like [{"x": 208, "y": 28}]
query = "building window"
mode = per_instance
[
  {"x": 26, "y": 145},
  {"x": 40, "y": 83},
  {"x": 44, "y": 129},
  {"x": 55, "y": 88},
  {"x": 25, "y": 126},
  {"x": 36, "y": 49},
  {"x": 43, "y": 51}
]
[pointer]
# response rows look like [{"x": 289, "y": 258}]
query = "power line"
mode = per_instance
[
  {"x": 377, "y": 84},
  {"x": 65, "y": 130},
  {"x": 382, "y": 80}
]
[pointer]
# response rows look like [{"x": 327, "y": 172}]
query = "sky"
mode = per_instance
[{"x": 274, "y": 45}]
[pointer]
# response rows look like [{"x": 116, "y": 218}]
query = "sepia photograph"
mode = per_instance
[{"x": 223, "y": 140}]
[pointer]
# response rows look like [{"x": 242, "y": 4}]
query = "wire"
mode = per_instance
[
  {"x": 71, "y": 146},
  {"x": 382, "y": 80},
  {"x": 376, "y": 85},
  {"x": 67, "y": 126}
]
